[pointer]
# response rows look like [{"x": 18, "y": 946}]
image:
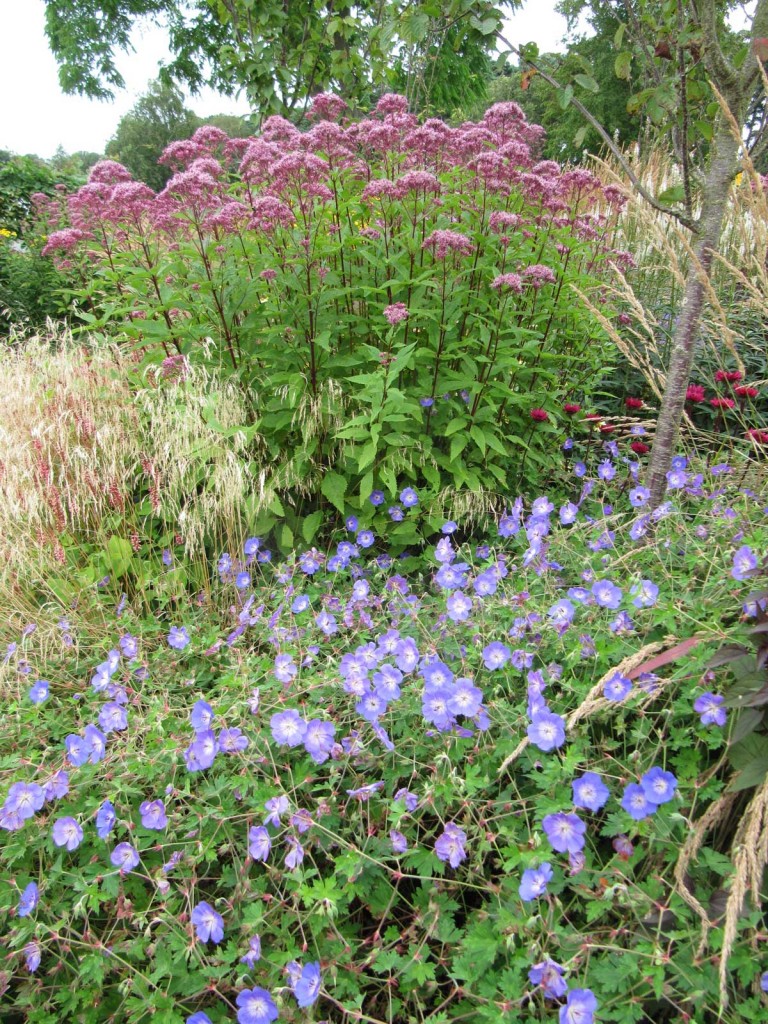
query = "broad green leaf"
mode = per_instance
[
  {"x": 334, "y": 487},
  {"x": 587, "y": 82},
  {"x": 119, "y": 554},
  {"x": 311, "y": 525}
]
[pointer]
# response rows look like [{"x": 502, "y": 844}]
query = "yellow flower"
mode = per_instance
[{"x": 6, "y": 233}]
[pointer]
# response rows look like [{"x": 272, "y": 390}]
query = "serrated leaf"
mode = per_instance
[
  {"x": 587, "y": 82},
  {"x": 458, "y": 444},
  {"x": 478, "y": 437},
  {"x": 334, "y": 488},
  {"x": 564, "y": 97},
  {"x": 311, "y": 525},
  {"x": 622, "y": 65},
  {"x": 752, "y": 774},
  {"x": 119, "y": 554}
]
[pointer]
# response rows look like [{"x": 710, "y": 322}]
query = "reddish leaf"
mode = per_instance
[{"x": 665, "y": 657}]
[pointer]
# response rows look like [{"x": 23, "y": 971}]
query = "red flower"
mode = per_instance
[
  {"x": 758, "y": 436},
  {"x": 732, "y": 376},
  {"x": 571, "y": 408},
  {"x": 639, "y": 447},
  {"x": 695, "y": 393},
  {"x": 722, "y": 403},
  {"x": 593, "y": 416},
  {"x": 633, "y": 403},
  {"x": 746, "y": 392},
  {"x": 539, "y": 415},
  {"x": 607, "y": 428}
]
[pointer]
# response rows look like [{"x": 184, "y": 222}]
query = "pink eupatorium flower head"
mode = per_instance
[
  {"x": 513, "y": 282},
  {"x": 328, "y": 106},
  {"x": 441, "y": 242},
  {"x": 539, "y": 275},
  {"x": 108, "y": 172},
  {"x": 396, "y": 313}
]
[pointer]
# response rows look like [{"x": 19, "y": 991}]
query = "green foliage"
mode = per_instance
[
  {"x": 283, "y": 54},
  {"x": 158, "y": 118},
  {"x": 415, "y": 331},
  {"x": 588, "y": 68},
  {"x": 397, "y": 933}
]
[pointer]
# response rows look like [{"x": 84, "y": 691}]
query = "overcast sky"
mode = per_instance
[{"x": 36, "y": 117}]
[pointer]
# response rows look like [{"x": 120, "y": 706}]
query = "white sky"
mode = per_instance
[{"x": 36, "y": 117}]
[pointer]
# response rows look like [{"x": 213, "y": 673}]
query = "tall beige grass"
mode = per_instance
[{"x": 87, "y": 452}]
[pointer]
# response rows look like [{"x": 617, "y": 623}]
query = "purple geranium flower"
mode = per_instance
[
  {"x": 66, "y": 832},
  {"x": 256, "y": 1006},
  {"x": 617, "y": 687},
  {"x": 534, "y": 882},
  {"x": 153, "y": 815},
  {"x": 113, "y": 717},
  {"x": 496, "y": 655},
  {"x": 398, "y": 840},
  {"x": 549, "y": 975},
  {"x": 24, "y": 798},
  {"x": 319, "y": 740},
  {"x": 178, "y": 637},
  {"x": 659, "y": 786},
  {"x": 636, "y": 803},
  {"x": 458, "y": 606},
  {"x": 105, "y": 819},
  {"x": 125, "y": 857},
  {"x": 288, "y": 727},
  {"x": 646, "y": 594},
  {"x": 32, "y": 956},
  {"x": 590, "y": 792},
  {"x": 254, "y": 952},
  {"x": 201, "y": 753},
  {"x": 450, "y": 845},
  {"x": 209, "y": 924},
  {"x": 295, "y": 855},
  {"x": 709, "y": 706},
  {"x": 744, "y": 563},
  {"x": 565, "y": 832},
  {"x": 307, "y": 986},
  {"x": 201, "y": 716},
  {"x": 28, "y": 900},
  {"x": 259, "y": 843},
  {"x": 547, "y": 730},
  {"x": 580, "y": 1006},
  {"x": 38, "y": 691},
  {"x": 606, "y": 594},
  {"x": 285, "y": 669}
]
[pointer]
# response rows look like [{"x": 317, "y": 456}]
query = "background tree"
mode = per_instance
[
  {"x": 702, "y": 84},
  {"x": 281, "y": 53},
  {"x": 158, "y": 118}
]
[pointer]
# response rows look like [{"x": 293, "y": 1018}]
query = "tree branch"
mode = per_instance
[{"x": 682, "y": 218}]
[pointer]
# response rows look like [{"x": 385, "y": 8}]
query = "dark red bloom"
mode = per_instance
[
  {"x": 695, "y": 393},
  {"x": 539, "y": 415},
  {"x": 722, "y": 403},
  {"x": 746, "y": 392},
  {"x": 639, "y": 448},
  {"x": 607, "y": 428},
  {"x": 731, "y": 376},
  {"x": 633, "y": 403},
  {"x": 571, "y": 408},
  {"x": 759, "y": 436}
]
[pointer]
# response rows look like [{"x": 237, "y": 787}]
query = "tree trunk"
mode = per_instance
[{"x": 717, "y": 186}]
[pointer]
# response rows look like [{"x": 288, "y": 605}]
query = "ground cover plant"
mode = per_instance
[
  {"x": 388, "y": 294},
  {"x": 486, "y": 781}
]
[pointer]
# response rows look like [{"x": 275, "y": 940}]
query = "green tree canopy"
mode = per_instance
[
  {"x": 158, "y": 118},
  {"x": 282, "y": 53}
]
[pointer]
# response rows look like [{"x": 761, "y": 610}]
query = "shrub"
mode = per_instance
[{"x": 394, "y": 297}]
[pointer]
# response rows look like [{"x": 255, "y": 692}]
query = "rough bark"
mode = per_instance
[
  {"x": 717, "y": 186},
  {"x": 736, "y": 87}
]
